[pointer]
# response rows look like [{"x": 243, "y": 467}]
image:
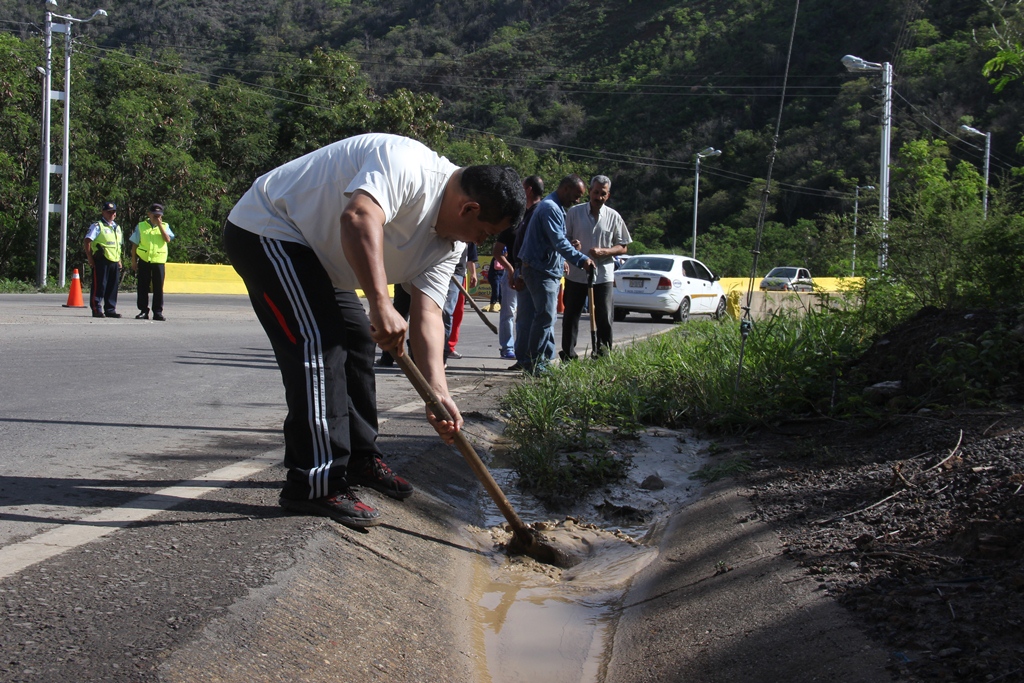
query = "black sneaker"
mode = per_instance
[
  {"x": 342, "y": 507},
  {"x": 113, "y": 315},
  {"x": 377, "y": 475},
  {"x": 159, "y": 316},
  {"x": 97, "y": 314},
  {"x": 143, "y": 316}
]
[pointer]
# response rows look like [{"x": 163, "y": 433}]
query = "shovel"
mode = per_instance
[
  {"x": 591, "y": 276},
  {"x": 475, "y": 305},
  {"x": 525, "y": 539}
]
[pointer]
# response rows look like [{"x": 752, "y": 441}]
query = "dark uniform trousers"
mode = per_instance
[
  {"x": 105, "y": 276},
  {"x": 321, "y": 339},
  {"x": 150, "y": 274},
  {"x": 574, "y": 298}
]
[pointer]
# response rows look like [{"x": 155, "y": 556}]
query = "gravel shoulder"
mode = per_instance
[{"x": 915, "y": 526}]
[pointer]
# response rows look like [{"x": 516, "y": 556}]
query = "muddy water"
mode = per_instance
[{"x": 535, "y": 623}]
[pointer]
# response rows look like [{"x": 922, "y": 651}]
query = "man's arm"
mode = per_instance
[
  {"x": 427, "y": 340},
  {"x": 471, "y": 274},
  {"x": 362, "y": 239},
  {"x": 88, "y": 252},
  {"x": 602, "y": 252},
  {"x": 135, "y": 256},
  {"x": 554, "y": 230}
]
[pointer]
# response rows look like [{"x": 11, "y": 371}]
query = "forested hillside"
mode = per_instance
[{"x": 188, "y": 101}]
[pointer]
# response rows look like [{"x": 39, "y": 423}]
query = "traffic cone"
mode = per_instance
[
  {"x": 561, "y": 306},
  {"x": 75, "y": 293}
]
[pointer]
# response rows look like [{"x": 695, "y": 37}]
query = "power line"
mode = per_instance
[{"x": 1005, "y": 164}]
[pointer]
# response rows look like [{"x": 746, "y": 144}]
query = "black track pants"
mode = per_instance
[
  {"x": 321, "y": 339},
  {"x": 574, "y": 299}
]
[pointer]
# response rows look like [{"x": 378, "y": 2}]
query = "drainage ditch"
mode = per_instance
[{"x": 534, "y": 622}]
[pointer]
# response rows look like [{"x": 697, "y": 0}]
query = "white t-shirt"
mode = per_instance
[
  {"x": 608, "y": 230},
  {"x": 302, "y": 201}
]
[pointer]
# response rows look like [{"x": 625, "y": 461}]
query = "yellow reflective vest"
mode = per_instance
[
  {"x": 109, "y": 240},
  {"x": 151, "y": 248}
]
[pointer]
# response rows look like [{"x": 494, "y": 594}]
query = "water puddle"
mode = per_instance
[{"x": 534, "y": 622}]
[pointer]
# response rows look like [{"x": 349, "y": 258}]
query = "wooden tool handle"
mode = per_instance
[
  {"x": 419, "y": 382},
  {"x": 476, "y": 306}
]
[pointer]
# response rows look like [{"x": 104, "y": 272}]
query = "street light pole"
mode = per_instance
[
  {"x": 44, "y": 154},
  {"x": 856, "y": 65},
  {"x": 856, "y": 200},
  {"x": 706, "y": 152},
  {"x": 45, "y": 168},
  {"x": 988, "y": 151}
]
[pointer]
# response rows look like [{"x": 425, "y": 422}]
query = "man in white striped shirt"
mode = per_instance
[{"x": 360, "y": 213}]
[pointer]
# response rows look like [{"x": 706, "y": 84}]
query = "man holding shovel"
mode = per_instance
[
  {"x": 599, "y": 232},
  {"x": 359, "y": 213}
]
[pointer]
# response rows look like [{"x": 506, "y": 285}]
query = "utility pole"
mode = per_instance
[
  {"x": 45, "y": 167},
  {"x": 988, "y": 153},
  {"x": 706, "y": 152},
  {"x": 857, "y": 65}
]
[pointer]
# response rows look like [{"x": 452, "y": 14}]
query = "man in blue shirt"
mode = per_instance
[{"x": 543, "y": 254}]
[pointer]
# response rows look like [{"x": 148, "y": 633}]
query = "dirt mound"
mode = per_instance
[
  {"x": 917, "y": 526},
  {"x": 920, "y": 353}
]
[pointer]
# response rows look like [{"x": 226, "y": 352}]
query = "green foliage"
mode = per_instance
[
  {"x": 19, "y": 156},
  {"x": 145, "y": 129},
  {"x": 978, "y": 370},
  {"x": 628, "y": 89}
]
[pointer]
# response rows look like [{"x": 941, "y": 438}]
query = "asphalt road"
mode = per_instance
[
  {"x": 140, "y": 464},
  {"x": 94, "y": 412}
]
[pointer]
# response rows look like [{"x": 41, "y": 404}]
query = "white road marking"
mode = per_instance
[{"x": 43, "y": 546}]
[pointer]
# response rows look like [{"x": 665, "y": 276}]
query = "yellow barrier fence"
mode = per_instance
[
  {"x": 821, "y": 284},
  {"x": 201, "y": 278},
  {"x": 198, "y": 278}
]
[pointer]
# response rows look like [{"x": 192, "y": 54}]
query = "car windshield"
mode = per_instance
[
  {"x": 782, "y": 272},
  {"x": 649, "y": 263}
]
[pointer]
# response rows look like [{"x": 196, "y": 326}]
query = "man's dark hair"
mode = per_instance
[
  {"x": 571, "y": 180},
  {"x": 498, "y": 190},
  {"x": 535, "y": 183}
]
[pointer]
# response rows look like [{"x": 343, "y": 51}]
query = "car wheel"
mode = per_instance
[
  {"x": 720, "y": 311},
  {"x": 682, "y": 313},
  {"x": 656, "y": 316},
  {"x": 620, "y": 314}
]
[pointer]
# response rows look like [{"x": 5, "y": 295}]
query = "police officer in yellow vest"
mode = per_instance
[
  {"x": 149, "y": 254},
  {"x": 103, "y": 249}
]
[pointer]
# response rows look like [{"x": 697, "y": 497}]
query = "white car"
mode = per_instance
[
  {"x": 666, "y": 284},
  {"x": 788, "y": 279}
]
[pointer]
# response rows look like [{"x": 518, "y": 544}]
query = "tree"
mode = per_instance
[{"x": 20, "y": 88}]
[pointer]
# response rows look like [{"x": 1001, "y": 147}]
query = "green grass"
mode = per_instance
[
  {"x": 19, "y": 287},
  {"x": 792, "y": 365}
]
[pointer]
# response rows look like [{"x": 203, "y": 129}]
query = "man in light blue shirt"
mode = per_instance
[
  {"x": 599, "y": 231},
  {"x": 543, "y": 254}
]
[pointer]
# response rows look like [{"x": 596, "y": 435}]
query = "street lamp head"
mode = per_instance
[
  {"x": 973, "y": 131},
  {"x": 51, "y": 4},
  {"x": 866, "y": 187},
  {"x": 708, "y": 152},
  {"x": 68, "y": 18},
  {"x": 856, "y": 64}
]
